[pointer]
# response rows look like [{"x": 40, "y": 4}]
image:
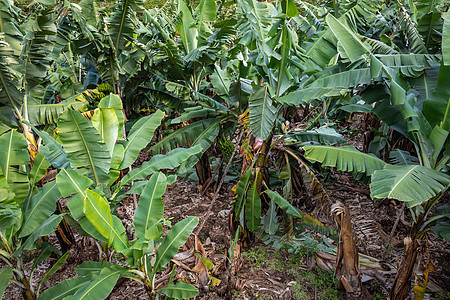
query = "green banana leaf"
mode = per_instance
[
  {"x": 14, "y": 158},
  {"x": 346, "y": 158},
  {"x": 40, "y": 207},
  {"x": 205, "y": 140},
  {"x": 39, "y": 169},
  {"x": 98, "y": 213},
  {"x": 122, "y": 23},
  {"x": 330, "y": 85},
  {"x": 84, "y": 146},
  {"x": 53, "y": 150},
  {"x": 446, "y": 41},
  {"x": 437, "y": 108},
  {"x": 11, "y": 94},
  {"x": 185, "y": 26},
  {"x": 106, "y": 122},
  {"x": 241, "y": 191},
  {"x": 349, "y": 41},
  {"x": 207, "y": 11},
  {"x": 37, "y": 44},
  {"x": 99, "y": 286},
  {"x": 95, "y": 267},
  {"x": 70, "y": 182},
  {"x": 42, "y": 114},
  {"x": 150, "y": 208},
  {"x": 140, "y": 135},
  {"x": 45, "y": 228},
  {"x": 270, "y": 220},
  {"x": 174, "y": 239},
  {"x": 253, "y": 209},
  {"x": 402, "y": 157},
  {"x": 54, "y": 268},
  {"x": 323, "y": 135},
  {"x": 158, "y": 162},
  {"x": 412, "y": 184},
  {"x": 113, "y": 101},
  {"x": 180, "y": 290},
  {"x": 66, "y": 288},
  {"x": 283, "y": 203},
  {"x": 184, "y": 136},
  {"x": 6, "y": 274},
  {"x": 262, "y": 112}
]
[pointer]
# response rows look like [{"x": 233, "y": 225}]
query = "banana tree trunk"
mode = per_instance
[
  {"x": 64, "y": 231},
  {"x": 402, "y": 283},
  {"x": 203, "y": 169}
]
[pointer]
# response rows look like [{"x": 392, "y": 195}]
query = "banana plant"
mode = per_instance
[
  {"x": 27, "y": 212},
  {"x": 89, "y": 160},
  {"x": 143, "y": 258},
  {"x": 181, "y": 70},
  {"x": 420, "y": 184},
  {"x": 92, "y": 148},
  {"x": 26, "y": 63}
]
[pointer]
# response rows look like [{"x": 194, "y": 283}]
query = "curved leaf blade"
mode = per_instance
[
  {"x": 413, "y": 184},
  {"x": 13, "y": 153},
  {"x": 349, "y": 41},
  {"x": 40, "y": 166},
  {"x": 253, "y": 209},
  {"x": 346, "y": 158},
  {"x": 41, "y": 206},
  {"x": 262, "y": 112},
  {"x": 283, "y": 203},
  {"x": 168, "y": 161},
  {"x": 47, "y": 227},
  {"x": 205, "y": 140},
  {"x": 6, "y": 274},
  {"x": 150, "y": 208},
  {"x": 174, "y": 239},
  {"x": 99, "y": 287},
  {"x": 107, "y": 124},
  {"x": 84, "y": 145},
  {"x": 66, "y": 288},
  {"x": 98, "y": 213},
  {"x": 180, "y": 290},
  {"x": 140, "y": 135}
]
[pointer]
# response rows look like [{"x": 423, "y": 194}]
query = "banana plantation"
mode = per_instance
[{"x": 224, "y": 149}]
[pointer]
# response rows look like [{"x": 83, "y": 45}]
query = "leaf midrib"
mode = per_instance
[
  {"x": 100, "y": 281},
  {"x": 111, "y": 226},
  {"x": 170, "y": 244},
  {"x": 85, "y": 146}
]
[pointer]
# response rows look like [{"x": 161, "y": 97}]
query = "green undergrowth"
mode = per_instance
[{"x": 308, "y": 284}]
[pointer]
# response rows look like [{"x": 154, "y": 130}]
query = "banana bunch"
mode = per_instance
[{"x": 226, "y": 146}]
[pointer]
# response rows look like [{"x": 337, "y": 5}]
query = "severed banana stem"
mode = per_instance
[{"x": 347, "y": 261}]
